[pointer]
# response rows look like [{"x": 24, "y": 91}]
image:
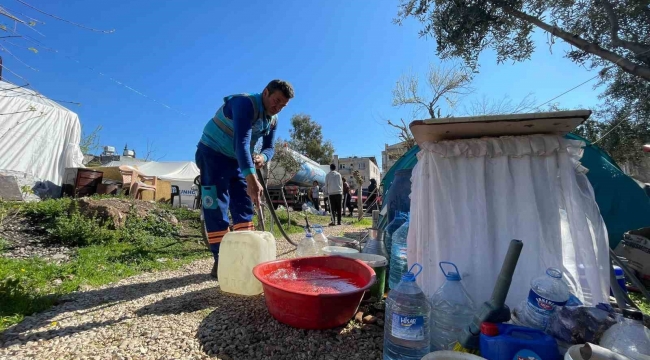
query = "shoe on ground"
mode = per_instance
[
  {"x": 332, "y": 224},
  {"x": 215, "y": 267}
]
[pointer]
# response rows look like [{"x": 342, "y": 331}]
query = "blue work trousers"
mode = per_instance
[{"x": 223, "y": 188}]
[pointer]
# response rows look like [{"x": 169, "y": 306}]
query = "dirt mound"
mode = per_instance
[{"x": 115, "y": 211}]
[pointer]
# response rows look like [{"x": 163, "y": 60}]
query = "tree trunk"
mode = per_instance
[
  {"x": 360, "y": 201},
  {"x": 591, "y": 48}
]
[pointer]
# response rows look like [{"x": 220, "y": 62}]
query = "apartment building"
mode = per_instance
[
  {"x": 391, "y": 154},
  {"x": 367, "y": 166}
]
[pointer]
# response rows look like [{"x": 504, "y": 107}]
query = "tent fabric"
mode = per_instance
[
  {"x": 623, "y": 203},
  {"x": 37, "y": 136},
  {"x": 171, "y": 171},
  {"x": 471, "y": 197}
]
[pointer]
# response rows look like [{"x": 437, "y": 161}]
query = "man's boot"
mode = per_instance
[{"x": 215, "y": 267}]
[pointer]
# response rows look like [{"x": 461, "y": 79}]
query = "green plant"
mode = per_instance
[
  {"x": 77, "y": 230},
  {"x": 4, "y": 244},
  {"x": 47, "y": 211},
  {"x": 26, "y": 189}
]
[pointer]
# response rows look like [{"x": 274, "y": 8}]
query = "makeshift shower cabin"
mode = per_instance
[{"x": 480, "y": 182}]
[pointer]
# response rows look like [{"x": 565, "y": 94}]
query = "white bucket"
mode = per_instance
[
  {"x": 451, "y": 355},
  {"x": 338, "y": 250}
]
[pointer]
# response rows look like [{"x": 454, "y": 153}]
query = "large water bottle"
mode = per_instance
[
  {"x": 452, "y": 309},
  {"x": 319, "y": 238},
  {"x": 406, "y": 330},
  {"x": 308, "y": 247},
  {"x": 547, "y": 293},
  {"x": 399, "y": 219},
  {"x": 398, "y": 263}
]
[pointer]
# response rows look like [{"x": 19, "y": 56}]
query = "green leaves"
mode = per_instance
[{"x": 307, "y": 139}]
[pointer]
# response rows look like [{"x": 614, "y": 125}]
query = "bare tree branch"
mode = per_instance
[
  {"x": 505, "y": 105},
  {"x": 448, "y": 83}
]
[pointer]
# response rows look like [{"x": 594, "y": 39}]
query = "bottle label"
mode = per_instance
[
  {"x": 408, "y": 327},
  {"x": 541, "y": 304},
  {"x": 526, "y": 355}
]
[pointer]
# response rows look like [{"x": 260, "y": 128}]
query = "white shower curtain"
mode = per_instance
[{"x": 469, "y": 198}]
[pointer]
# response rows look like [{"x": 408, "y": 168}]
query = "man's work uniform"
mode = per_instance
[{"x": 224, "y": 158}]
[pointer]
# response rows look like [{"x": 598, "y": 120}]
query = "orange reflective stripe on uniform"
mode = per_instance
[
  {"x": 216, "y": 236},
  {"x": 244, "y": 226}
]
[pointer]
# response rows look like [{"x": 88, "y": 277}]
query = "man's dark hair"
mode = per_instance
[
  {"x": 280, "y": 85},
  {"x": 332, "y": 167}
]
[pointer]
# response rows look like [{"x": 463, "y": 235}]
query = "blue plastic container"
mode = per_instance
[
  {"x": 510, "y": 342},
  {"x": 620, "y": 279}
]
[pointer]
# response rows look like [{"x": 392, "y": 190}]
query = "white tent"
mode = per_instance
[
  {"x": 181, "y": 173},
  {"x": 38, "y": 137}
]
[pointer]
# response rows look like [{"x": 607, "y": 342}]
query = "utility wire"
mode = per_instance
[
  {"x": 568, "y": 91},
  {"x": 116, "y": 81},
  {"x": 64, "y": 20}
]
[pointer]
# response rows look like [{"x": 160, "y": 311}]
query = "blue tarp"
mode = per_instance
[{"x": 623, "y": 204}]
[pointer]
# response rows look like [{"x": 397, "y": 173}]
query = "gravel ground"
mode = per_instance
[{"x": 179, "y": 314}]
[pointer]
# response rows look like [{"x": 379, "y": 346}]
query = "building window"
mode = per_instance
[
  {"x": 362, "y": 166},
  {"x": 342, "y": 166}
]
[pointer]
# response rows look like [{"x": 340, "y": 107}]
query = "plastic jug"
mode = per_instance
[
  {"x": 308, "y": 247},
  {"x": 400, "y": 218},
  {"x": 239, "y": 253},
  {"x": 319, "y": 238},
  {"x": 375, "y": 244},
  {"x": 398, "y": 262},
  {"x": 505, "y": 342},
  {"x": 452, "y": 310},
  {"x": 406, "y": 330}
]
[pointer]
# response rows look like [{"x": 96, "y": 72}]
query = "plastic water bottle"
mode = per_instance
[
  {"x": 398, "y": 262},
  {"x": 399, "y": 219},
  {"x": 452, "y": 309},
  {"x": 547, "y": 293},
  {"x": 308, "y": 247},
  {"x": 320, "y": 239},
  {"x": 406, "y": 330}
]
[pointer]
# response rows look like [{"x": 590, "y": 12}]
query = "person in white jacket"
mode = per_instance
[{"x": 334, "y": 191}]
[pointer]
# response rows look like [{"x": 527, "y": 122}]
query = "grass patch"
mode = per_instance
[
  {"x": 29, "y": 286},
  {"x": 103, "y": 255},
  {"x": 363, "y": 223},
  {"x": 641, "y": 302}
]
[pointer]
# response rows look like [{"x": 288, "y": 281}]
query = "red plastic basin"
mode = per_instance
[{"x": 309, "y": 310}]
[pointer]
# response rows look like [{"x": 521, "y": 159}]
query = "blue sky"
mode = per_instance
[{"x": 343, "y": 58}]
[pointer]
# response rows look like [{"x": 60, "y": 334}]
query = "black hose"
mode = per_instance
[{"x": 267, "y": 196}]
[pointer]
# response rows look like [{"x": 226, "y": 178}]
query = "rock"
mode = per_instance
[
  {"x": 369, "y": 319},
  {"x": 57, "y": 282},
  {"x": 359, "y": 317}
]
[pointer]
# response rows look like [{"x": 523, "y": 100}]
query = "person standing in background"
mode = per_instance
[
  {"x": 347, "y": 203},
  {"x": 334, "y": 191},
  {"x": 372, "y": 196}
]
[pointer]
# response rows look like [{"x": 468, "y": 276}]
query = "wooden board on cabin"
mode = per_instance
[{"x": 559, "y": 122}]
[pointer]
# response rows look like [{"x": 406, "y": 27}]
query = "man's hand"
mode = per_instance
[
  {"x": 254, "y": 189},
  {"x": 258, "y": 160}
]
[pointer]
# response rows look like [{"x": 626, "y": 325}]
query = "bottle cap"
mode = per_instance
[
  {"x": 451, "y": 275},
  {"x": 554, "y": 273},
  {"x": 489, "y": 329},
  {"x": 409, "y": 275}
]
